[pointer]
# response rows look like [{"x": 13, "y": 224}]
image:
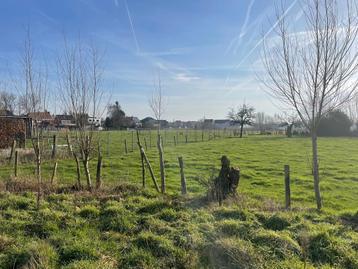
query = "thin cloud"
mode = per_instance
[
  {"x": 185, "y": 77},
  {"x": 132, "y": 26}
]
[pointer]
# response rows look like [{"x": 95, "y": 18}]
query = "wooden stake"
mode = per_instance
[
  {"x": 175, "y": 141},
  {"x": 13, "y": 147},
  {"x": 125, "y": 146},
  {"x": 287, "y": 186},
  {"x": 54, "y": 144},
  {"x": 182, "y": 176},
  {"x": 16, "y": 162},
  {"x": 161, "y": 163},
  {"x": 150, "y": 170},
  {"x": 145, "y": 144},
  {"x": 54, "y": 172},
  {"x": 142, "y": 159}
]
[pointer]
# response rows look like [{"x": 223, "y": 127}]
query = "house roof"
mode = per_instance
[
  {"x": 40, "y": 116},
  {"x": 5, "y": 112}
]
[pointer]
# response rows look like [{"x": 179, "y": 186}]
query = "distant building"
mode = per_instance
[
  {"x": 42, "y": 119},
  {"x": 65, "y": 121},
  {"x": 96, "y": 122},
  {"x": 222, "y": 124},
  {"x": 4, "y": 112}
]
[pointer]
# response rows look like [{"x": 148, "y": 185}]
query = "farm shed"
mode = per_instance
[{"x": 14, "y": 128}]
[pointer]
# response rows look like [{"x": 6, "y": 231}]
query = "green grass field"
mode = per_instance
[
  {"x": 127, "y": 227},
  {"x": 260, "y": 158}
]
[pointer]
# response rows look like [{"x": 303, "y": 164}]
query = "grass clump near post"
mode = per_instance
[{"x": 231, "y": 213}]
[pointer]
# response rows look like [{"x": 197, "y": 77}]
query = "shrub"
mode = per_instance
[
  {"x": 234, "y": 253},
  {"x": 276, "y": 223},
  {"x": 89, "y": 212}
]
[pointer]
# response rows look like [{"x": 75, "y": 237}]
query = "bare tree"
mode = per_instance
[
  {"x": 156, "y": 103},
  {"x": 261, "y": 121},
  {"x": 80, "y": 87},
  {"x": 35, "y": 84},
  {"x": 289, "y": 120},
  {"x": 7, "y": 101},
  {"x": 244, "y": 115},
  {"x": 312, "y": 72}
]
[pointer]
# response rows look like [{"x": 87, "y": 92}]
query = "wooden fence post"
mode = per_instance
[
  {"x": 13, "y": 147},
  {"x": 161, "y": 162},
  {"x": 145, "y": 144},
  {"x": 150, "y": 170},
  {"x": 69, "y": 146},
  {"x": 182, "y": 176},
  {"x": 16, "y": 162},
  {"x": 54, "y": 144},
  {"x": 125, "y": 146},
  {"x": 175, "y": 141},
  {"x": 287, "y": 186},
  {"x": 54, "y": 172},
  {"x": 141, "y": 158},
  {"x": 132, "y": 141}
]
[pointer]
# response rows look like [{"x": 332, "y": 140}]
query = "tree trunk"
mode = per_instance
[
  {"x": 38, "y": 175},
  {"x": 241, "y": 129},
  {"x": 78, "y": 170},
  {"x": 161, "y": 162},
  {"x": 87, "y": 173},
  {"x": 315, "y": 170},
  {"x": 99, "y": 171}
]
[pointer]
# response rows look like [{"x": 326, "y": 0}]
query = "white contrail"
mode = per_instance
[
  {"x": 260, "y": 41},
  {"x": 244, "y": 26},
  {"x": 132, "y": 27}
]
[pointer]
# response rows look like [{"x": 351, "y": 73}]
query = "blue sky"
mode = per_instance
[{"x": 207, "y": 51}]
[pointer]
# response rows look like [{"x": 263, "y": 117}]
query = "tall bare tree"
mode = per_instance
[
  {"x": 312, "y": 72},
  {"x": 35, "y": 88},
  {"x": 156, "y": 103},
  {"x": 80, "y": 83}
]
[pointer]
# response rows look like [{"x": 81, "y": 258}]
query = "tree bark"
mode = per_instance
[
  {"x": 99, "y": 171},
  {"x": 241, "y": 129},
  {"x": 315, "y": 170},
  {"x": 87, "y": 173},
  {"x": 78, "y": 170}
]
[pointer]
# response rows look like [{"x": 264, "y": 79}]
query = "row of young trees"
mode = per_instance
[{"x": 80, "y": 91}]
